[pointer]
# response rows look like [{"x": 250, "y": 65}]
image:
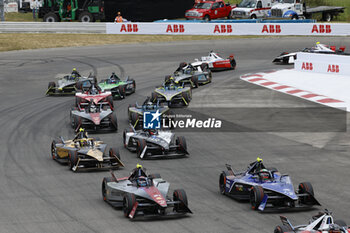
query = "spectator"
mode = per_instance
[
  {"x": 35, "y": 7},
  {"x": 119, "y": 18}
]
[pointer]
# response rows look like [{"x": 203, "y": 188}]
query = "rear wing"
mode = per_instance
[{"x": 286, "y": 222}]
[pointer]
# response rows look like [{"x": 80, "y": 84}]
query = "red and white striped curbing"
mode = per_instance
[{"x": 262, "y": 79}]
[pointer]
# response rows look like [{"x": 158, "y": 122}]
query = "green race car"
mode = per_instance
[{"x": 118, "y": 87}]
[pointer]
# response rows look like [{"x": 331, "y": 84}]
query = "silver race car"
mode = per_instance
[
  {"x": 142, "y": 195},
  {"x": 150, "y": 144},
  {"x": 192, "y": 75},
  {"x": 172, "y": 93}
]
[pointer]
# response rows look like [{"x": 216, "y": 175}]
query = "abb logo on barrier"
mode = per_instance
[
  {"x": 271, "y": 29},
  {"x": 129, "y": 28},
  {"x": 307, "y": 66},
  {"x": 321, "y": 29},
  {"x": 175, "y": 28},
  {"x": 333, "y": 68},
  {"x": 224, "y": 28}
]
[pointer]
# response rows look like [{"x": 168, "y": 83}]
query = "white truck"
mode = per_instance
[
  {"x": 296, "y": 9},
  {"x": 252, "y": 9}
]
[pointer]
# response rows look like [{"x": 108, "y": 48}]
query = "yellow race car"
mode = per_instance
[{"x": 85, "y": 153}]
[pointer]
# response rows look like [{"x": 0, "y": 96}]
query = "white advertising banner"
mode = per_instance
[
  {"x": 260, "y": 29},
  {"x": 323, "y": 63}
]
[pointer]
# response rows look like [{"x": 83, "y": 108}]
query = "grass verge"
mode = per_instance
[{"x": 18, "y": 41}]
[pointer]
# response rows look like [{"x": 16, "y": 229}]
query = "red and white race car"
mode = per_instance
[
  {"x": 215, "y": 62},
  {"x": 94, "y": 94},
  {"x": 321, "y": 223}
]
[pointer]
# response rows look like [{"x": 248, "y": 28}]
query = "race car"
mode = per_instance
[
  {"x": 118, "y": 87},
  {"x": 136, "y": 112},
  {"x": 68, "y": 85},
  {"x": 90, "y": 92},
  {"x": 215, "y": 62},
  {"x": 152, "y": 144},
  {"x": 289, "y": 58},
  {"x": 142, "y": 195},
  {"x": 322, "y": 222},
  {"x": 84, "y": 153},
  {"x": 93, "y": 117},
  {"x": 265, "y": 188},
  {"x": 192, "y": 75},
  {"x": 173, "y": 94}
]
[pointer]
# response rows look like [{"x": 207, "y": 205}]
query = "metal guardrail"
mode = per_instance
[{"x": 43, "y": 27}]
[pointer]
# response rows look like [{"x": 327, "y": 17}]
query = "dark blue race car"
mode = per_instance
[{"x": 265, "y": 187}]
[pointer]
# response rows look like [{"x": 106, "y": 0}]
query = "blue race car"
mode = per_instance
[{"x": 265, "y": 188}]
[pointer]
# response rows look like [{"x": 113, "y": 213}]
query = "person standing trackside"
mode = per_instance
[
  {"x": 35, "y": 8},
  {"x": 119, "y": 18}
]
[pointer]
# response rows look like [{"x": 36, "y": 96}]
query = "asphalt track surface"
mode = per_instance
[{"x": 40, "y": 195}]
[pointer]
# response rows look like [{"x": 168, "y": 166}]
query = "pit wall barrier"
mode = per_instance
[
  {"x": 307, "y": 29},
  {"x": 323, "y": 63}
]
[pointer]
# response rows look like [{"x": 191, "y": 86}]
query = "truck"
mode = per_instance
[
  {"x": 208, "y": 10},
  {"x": 297, "y": 9},
  {"x": 69, "y": 10},
  {"x": 252, "y": 9}
]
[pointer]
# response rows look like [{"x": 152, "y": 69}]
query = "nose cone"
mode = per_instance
[{"x": 95, "y": 117}]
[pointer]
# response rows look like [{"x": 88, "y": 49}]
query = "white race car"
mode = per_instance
[
  {"x": 215, "y": 62},
  {"x": 321, "y": 223},
  {"x": 289, "y": 58}
]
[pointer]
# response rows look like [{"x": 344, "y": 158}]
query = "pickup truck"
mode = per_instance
[
  {"x": 252, "y": 9},
  {"x": 208, "y": 10}
]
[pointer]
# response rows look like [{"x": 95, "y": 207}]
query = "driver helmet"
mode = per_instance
[
  {"x": 149, "y": 105},
  {"x": 93, "y": 108},
  {"x": 142, "y": 181},
  {"x": 152, "y": 131},
  {"x": 264, "y": 174}
]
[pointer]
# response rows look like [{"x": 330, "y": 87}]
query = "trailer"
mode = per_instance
[{"x": 297, "y": 9}]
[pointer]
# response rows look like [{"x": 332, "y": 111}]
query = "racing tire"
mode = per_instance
[
  {"x": 53, "y": 150},
  {"x": 114, "y": 121},
  {"x": 341, "y": 223},
  {"x": 194, "y": 80},
  {"x": 181, "y": 143},
  {"x": 154, "y": 97},
  {"x": 182, "y": 64},
  {"x": 124, "y": 136},
  {"x": 134, "y": 85},
  {"x": 50, "y": 17},
  {"x": 233, "y": 63},
  {"x": 141, "y": 144},
  {"x": 306, "y": 187},
  {"x": 134, "y": 118},
  {"x": 206, "y": 18},
  {"x": 129, "y": 201},
  {"x": 327, "y": 17},
  {"x": 86, "y": 17},
  {"x": 204, "y": 67},
  {"x": 253, "y": 17},
  {"x": 222, "y": 181},
  {"x": 104, "y": 185},
  {"x": 180, "y": 195},
  {"x": 72, "y": 159},
  {"x": 51, "y": 85},
  {"x": 113, "y": 154},
  {"x": 154, "y": 176},
  {"x": 282, "y": 229},
  {"x": 256, "y": 196},
  {"x": 122, "y": 92},
  {"x": 295, "y": 17},
  {"x": 110, "y": 102},
  {"x": 76, "y": 123}
]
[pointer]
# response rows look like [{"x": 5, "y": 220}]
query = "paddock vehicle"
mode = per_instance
[
  {"x": 323, "y": 222},
  {"x": 67, "y": 85},
  {"x": 85, "y": 154},
  {"x": 83, "y": 98},
  {"x": 150, "y": 144},
  {"x": 265, "y": 188},
  {"x": 136, "y": 112},
  {"x": 173, "y": 94},
  {"x": 144, "y": 196},
  {"x": 209, "y": 9},
  {"x": 289, "y": 58},
  {"x": 117, "y": 87},
  {"x": 192, "y": 75},
  {"x": 93, "y": 117},
  {"x": 215, "y": 62},
  {"x": 252, "y": 9}
]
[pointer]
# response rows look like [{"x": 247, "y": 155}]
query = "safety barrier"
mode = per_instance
[
  {"x": 263, "y": 29},
  {"x": 323, "y": 63}
]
